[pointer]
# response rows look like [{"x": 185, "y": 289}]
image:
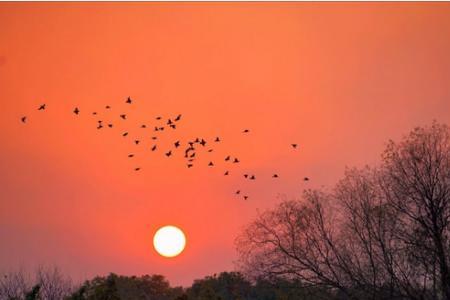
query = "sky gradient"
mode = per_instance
[{"x": 339, "y": 79}]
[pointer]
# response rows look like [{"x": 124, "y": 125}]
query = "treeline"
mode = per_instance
[
  {"x": 381, "y": 233},
  {"x": 52, "y": 285}
]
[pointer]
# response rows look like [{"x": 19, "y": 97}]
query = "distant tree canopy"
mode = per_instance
[
  {"x": 112, "y": 287},
  {"x": 234, "y": 286},
  {"x": 225, "y": 286},
  {"x": 381, "y": 233}
]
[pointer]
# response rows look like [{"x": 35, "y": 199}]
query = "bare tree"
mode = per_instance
[
  {"x": 296, "y": 240},
  {"x": 416, "y": 181},
  {"x": 53, "y": 284},
  {"x": 47, "y": 284},
  {"x": 372, "y": 245},
  {"x": 14, "y": 285},
  {"x": 381, "y": 233}
]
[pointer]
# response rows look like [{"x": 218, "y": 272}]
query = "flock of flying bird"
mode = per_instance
[{"x": 190, "y": 151}]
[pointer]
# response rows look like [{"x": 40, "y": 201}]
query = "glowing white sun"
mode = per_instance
[{"x": 169, "y": 241}]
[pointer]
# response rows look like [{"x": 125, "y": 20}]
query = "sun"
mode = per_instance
[{"x": 169, "y": 241}]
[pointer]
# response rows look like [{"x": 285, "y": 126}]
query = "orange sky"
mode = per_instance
[{"x": 340, "y": 79}]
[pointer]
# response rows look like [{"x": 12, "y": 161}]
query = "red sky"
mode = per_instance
[{"x": 339, "y": 79}]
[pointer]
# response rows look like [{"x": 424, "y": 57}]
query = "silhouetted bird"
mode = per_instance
[
  {"x": 130, "y": 155},
  {"x": 217, "y": 139},
  {"x": 275, "y": 175},
  {"x": 210, "y": 150},
  {"x": 294, "y": 146},
  {"x": 202, "y": 142},
  {"x": 168, "y": 153},
  {"x": 235, "y": 160},
  {"x": 100, "y": 126},
  {"x": 186, "y": 152},
  {"x": 169, "y": 122},
  {"x": 110, "y": 125},
  {"x": 107, "y": 107},
  {"x": 227, "y": 158},
  {"x": 210, "y": 164},
  {"x": 94, "y": 113},
  {"x": 192, "y": 155},
  {"x": 191, "y": 159},
  {"x": 189, "y": 165},
  {"x": 76, "y": 111},
  {"x": 154, "y": 148},
  {"x": 252, "y": 177},
  {"x": 178, "y": 118},
  {"x": 128, "y": 100},
  {"x": 158, "y": 118},
  {"x": 161, "y": 128},
  {"x": 245, "y": 131},
  {"x": 197, "y": 140},
  {"x": 173, "y": 126},
  {"x": 238, "y": 192},
  {"x": 42, "y": 107},
  {"x": 245, "y": 197},
  {"x": 177, "y": 144},
  {"x": 123, "y": 116},
  {"x": 136, "y": 142},
  {"x": 226, "y": 173},
  {"x": 125, "y": 134},
  {"x": 245, "y": 175},
  {"x": 156, "y": 128},
  {"x": 154, "y": 137},
  {"x": 143, "y": 126},
  {"x": 137, "y": 169},
  {"x": 306, "y": 179},
  {"x": 23, "y": 119}
]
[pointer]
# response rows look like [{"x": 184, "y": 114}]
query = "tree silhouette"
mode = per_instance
[
  {"x": 381, "y": 233},
  {"x": 33, "y": 294}
]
